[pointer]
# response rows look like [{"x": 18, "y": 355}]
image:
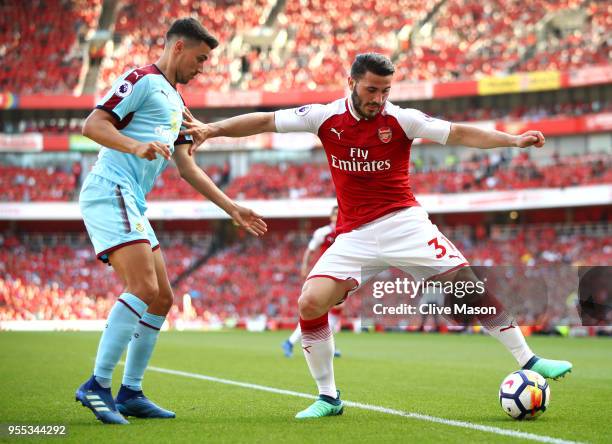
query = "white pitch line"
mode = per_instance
[{"x": 374, "y": 408}]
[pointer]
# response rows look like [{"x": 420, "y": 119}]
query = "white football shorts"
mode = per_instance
[{"x": 405, "y": 239}]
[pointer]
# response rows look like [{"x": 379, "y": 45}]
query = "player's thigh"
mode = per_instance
[
  {"x": 350, "y": 258},
  {"x": 135, "y": 265}
]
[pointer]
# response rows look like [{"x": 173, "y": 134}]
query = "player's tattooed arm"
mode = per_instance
[
  {"x": 468, "y": 135},
  {"x": 100, "y": 127},
  {"x": 199, "y": 180},
  {"x": 239, "y": 126}
]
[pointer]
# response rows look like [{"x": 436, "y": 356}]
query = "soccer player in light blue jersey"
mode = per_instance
[{"x": 138, "y": 123}]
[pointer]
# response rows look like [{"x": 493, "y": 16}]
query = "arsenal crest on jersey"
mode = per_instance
[{"x": 384, "y": 134}]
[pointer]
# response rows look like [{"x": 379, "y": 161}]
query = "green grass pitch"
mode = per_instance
[{"x": 447, "y": 376}]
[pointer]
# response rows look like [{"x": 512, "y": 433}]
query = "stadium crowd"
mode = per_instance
[
  {"x": 471, "y": 39},
  {"x": 141, "y": 28},
  {"x": 40, "y": 40},
  {"x": 442, "y": 41},
  {"x": 55, "y": 277},
  {"x": 51, "y": 184},
  {"x": 324, "y": 36},
  {"x": 481, "y": 172},
  {"x": 41, "y": 277}
]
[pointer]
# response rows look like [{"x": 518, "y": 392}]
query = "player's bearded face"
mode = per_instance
[
  {"x": 358, "y": 105},
  {"x": 369, "y": 94}
]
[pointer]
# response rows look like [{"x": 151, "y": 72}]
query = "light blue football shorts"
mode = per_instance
[{"x": 112, "y": 218}]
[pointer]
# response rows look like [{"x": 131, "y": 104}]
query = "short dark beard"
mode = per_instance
[{"x": 357, "y": 102}]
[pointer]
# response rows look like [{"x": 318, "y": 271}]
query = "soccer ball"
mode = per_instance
[{"x": 524, "y": 394}]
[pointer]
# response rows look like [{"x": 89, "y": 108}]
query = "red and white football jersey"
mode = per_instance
[
  {"x": 368, "y": 158},
  {"x": 322, "y": 239}
]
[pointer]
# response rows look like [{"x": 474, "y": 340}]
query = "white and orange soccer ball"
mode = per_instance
[{"x": 524, "y": 394}]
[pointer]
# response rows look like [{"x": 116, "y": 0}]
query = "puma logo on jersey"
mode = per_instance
[
  {"x": 165, "y": 94},
  {"x": 136, "y": 75},
  {"x": 336, "y": 132},
  {"x": 307, "y": 348}
]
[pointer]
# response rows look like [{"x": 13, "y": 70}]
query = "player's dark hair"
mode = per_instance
[
  {"x": 373, "y": 62},
  {"x": 190, "y": 28}
]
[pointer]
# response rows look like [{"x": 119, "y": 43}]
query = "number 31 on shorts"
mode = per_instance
[{"x": 440, "y": 249}]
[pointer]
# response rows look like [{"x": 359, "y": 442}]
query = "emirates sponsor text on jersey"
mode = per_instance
[{"x": 358, "y": 161}]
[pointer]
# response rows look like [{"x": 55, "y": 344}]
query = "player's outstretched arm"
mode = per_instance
[
  {"x": 305, "y": 261},
  {"x": 239, "y": 126},
  {"x": 243, "y": 217},
  {"x": 100, "y": 127},
  {"x": 468, "y": 135}
]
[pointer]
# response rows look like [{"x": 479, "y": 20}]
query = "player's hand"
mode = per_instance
[
  {"x": 304, "y": 272},
  {"x": 249, "y": 220},
  {"x": 198, "y": 131},
  {"x": 530, "y": 138},
  {"x": 149, "y": 150}
]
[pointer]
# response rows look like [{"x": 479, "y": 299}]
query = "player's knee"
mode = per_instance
[
  {"x": 310, "y": 306},
  {"x": 164, "y": 301},
  {"x": 146, "y": 289}
]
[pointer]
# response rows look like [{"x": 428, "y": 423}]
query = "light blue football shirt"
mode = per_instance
[{"x": 148, "y": 108}]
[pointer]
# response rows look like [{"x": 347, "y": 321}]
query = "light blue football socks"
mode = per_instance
[
  {"x": 120, "y": 326},
  {"x": 140, "y": 349}
]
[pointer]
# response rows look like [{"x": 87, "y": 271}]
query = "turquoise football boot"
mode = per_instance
[
  {"x": 549, "y": 368},
  {"x": 324, "y": 406}
]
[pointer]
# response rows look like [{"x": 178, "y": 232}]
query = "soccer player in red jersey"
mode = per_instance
[
  {"x": 367, "y": 141},
  {"x": 321, "y": 240}
]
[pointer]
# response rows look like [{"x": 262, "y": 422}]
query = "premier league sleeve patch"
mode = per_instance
[
  {"x": 124, "y": 89},
  {"x": 302, "y": 111}
]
